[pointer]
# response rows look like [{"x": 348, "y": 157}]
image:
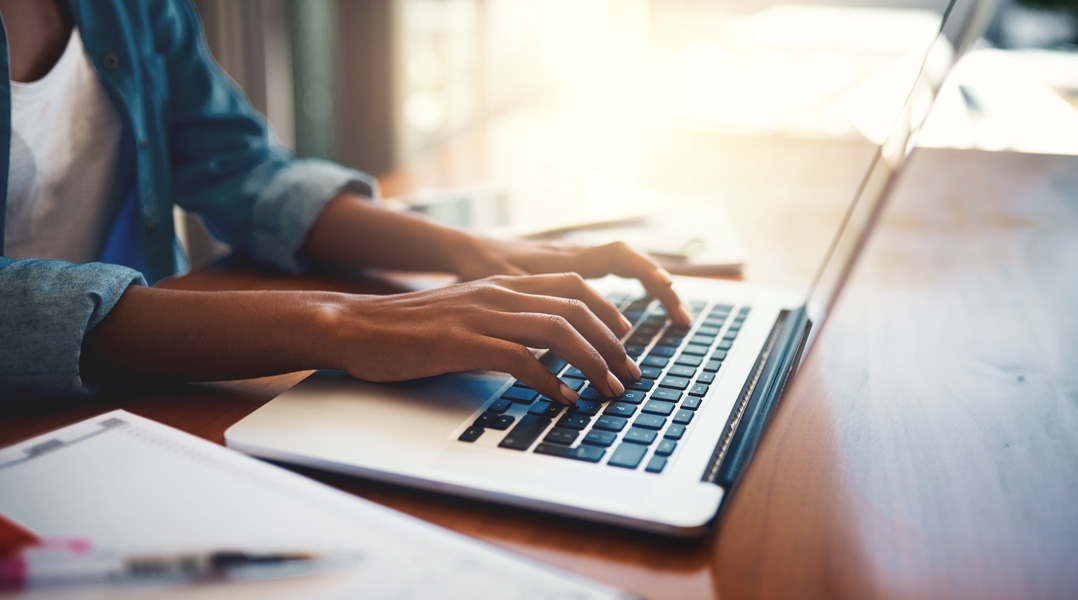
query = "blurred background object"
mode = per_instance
[{"x": 375, "y": 84}]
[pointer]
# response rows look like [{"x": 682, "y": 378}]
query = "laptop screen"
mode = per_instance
[{"x": 960, "y": 25}]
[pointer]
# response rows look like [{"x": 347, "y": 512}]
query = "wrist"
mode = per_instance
[{"x": 322, "y": 325}]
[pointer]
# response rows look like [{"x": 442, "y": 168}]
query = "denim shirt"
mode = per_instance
[{"x": 190, "y": 138}]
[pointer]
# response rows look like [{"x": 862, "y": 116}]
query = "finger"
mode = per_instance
[
  {"x": 518, "y": 361},
  {"x": 479, "y": 271},
  {"x": 553, "y": 331},
  {"x": 572, "y": 285},
  {"x": 587, "y": 324},
  {"x": 623, "y": 260}
]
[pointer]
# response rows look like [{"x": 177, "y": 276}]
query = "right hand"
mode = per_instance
[{"x": 487, "y": 324}]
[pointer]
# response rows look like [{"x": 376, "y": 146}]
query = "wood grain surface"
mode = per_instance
[{"x": 927, "y": 449}]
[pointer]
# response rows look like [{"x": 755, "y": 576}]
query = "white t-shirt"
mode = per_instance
[{"x": 64, "y": 147}]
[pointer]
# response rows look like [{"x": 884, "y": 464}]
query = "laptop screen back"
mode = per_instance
[{"x": 959, "y": 27}]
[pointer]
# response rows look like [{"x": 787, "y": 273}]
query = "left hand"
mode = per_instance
[{"x": 524, "y": 257}]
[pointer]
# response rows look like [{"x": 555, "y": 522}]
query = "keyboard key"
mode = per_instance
[
  {"x": 650, "y": 421},
  {"x": 712, "y": 366},
  {"x": 689, "y": 360},
  {"x": 666, "y": 394},
  {"x": 552, "y": 362},
  {"x": 521, "y": 395},
  {"x": 707, "y": 330},
  {"x": 666, "y": 448},
  {"x": 656, "y": 464},
  {"x": 655, "y": 361},
  {"x": 485, "y": 419},
  {"x": 577, "y": 422},
  {"x": 724, "y": 345},
  {"x": 667, "y": 351},
  {"x": 640, "y": 384},
  {"x": 500, "y": 405},
  {"x": 638, "y": 339},
  {"x": 640, "y": 436},
  {"x": 561, "y": 436},
  {"x": 471, "y": 434},
  {"x": 702, "y": 340},
  {"x": 632, "y": 396},
  {"x": 503, "y": 422},
  {"x": 696, "y": 349},
  {"x": 683, "y": 416},
  {"x": 674, "y": 432},
  {"x": 706, "y": 377},
  {"x": 678, "y": 383},
  {"x": 591, "y": 393},
  {"x": 628, "y": 456},
  {"x": 634, "y": 351},
  {"x": 671, "y": 339},
  {"x": 584, "y": 407},
  {"x": 647, "y": 372},
  {"x": 554, "y": 450},
  {"x": 658, "y": 407},
  {"x": 588, "y": 453},
  {"x": 545, "y": 408},
  {"x": 681, "y": 371},
  {"x": 574, "y": 384},
  {"x": 611, "y": 423},
  {"x": 718, "y": 355},
  {"x": 698, "y": 389},
  {"x": 574, "y": 372},
  {"x": 620, "y": 409},
  {"x": 526, "y": 431},
  {"x": 600, "y": 438},
  {"x": 692, "y": 402}
]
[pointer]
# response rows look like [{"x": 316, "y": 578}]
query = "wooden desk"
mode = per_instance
[{"x": 929, "y": 447}]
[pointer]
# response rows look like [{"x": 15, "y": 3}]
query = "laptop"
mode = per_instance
[{"x": 660, "y": 458}]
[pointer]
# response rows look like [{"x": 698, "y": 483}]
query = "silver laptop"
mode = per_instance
[{"x": 663, "y": 456}]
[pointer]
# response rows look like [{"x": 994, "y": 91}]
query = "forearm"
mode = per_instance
[
  {"x": 355, "y": 231},
  {"x": 208, "y": 335}
]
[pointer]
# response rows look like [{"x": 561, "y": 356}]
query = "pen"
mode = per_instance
[{"x": 45, "y": 567}]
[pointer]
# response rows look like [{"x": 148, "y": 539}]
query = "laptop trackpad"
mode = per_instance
[{"x": 361, "y": 416}]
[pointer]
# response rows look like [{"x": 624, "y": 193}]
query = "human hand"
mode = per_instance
[
  {"x": 523, "y": 257},
  {"x": 484, "y": 324}
]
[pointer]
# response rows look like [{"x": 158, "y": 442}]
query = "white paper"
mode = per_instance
[{"x": 132, "y": 485}]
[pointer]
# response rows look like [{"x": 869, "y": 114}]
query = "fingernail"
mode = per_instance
[
  {"x": 633, "y": 369},
  {"x": 626, "y": 325},
  {"x": 568, "y": 394},
  {"x": 664, "y": 275},
  {"x": 615, "y": 386}
]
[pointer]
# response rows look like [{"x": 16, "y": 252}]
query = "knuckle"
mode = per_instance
[
  {"x": 555, "y": 324},
  {"x": 576, "y": 306},
  {"x": 573, "y": 278},
  {"x": 518, "y": 356}
]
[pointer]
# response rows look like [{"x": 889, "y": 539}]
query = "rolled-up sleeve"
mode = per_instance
[
  {"x": 288, "y": 206},
  {"x": 49, "y": 305}
]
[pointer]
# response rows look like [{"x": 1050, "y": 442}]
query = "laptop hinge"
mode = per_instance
[{"x": 758, "y": 397}]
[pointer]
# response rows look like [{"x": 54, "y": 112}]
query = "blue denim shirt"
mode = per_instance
[{"x": 189, "y": 138}]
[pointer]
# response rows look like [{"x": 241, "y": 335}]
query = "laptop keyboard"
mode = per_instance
[{"x": 640, "y": 427}]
